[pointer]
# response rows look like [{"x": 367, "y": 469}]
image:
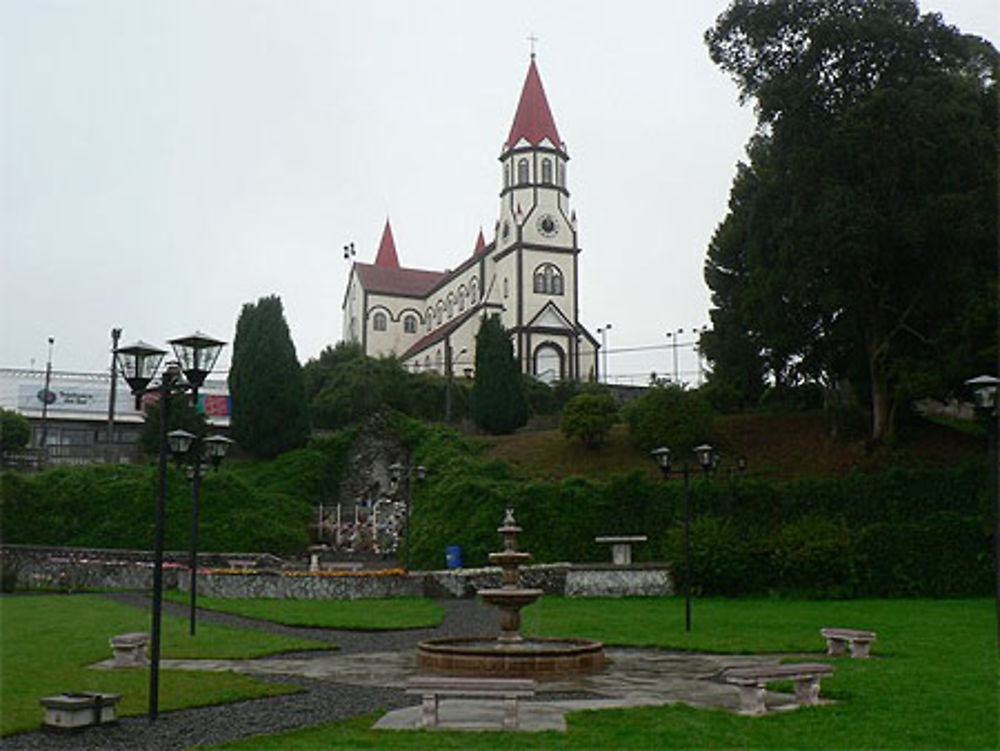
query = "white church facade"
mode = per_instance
[{"x": 527, "y": 274}]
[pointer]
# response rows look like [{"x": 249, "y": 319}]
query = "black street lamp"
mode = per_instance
[
  {"x": 397, "y": 474},
  {"x": 138, "y": 364},
  {"x": 194, "y": 451},
  {"x": 984, "y": 394},
  {"x": 708, "y": 459}
]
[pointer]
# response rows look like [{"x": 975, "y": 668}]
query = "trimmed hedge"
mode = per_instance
[{"x": 900, "y": 532}]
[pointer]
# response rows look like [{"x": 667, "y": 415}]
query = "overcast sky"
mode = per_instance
[{"x": 164, "y": 162}]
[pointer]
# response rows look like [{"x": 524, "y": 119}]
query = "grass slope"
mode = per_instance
[
  {"x": 779, "y": 445},
  {"x": 48, "y": 642},
  {"x": 361, "y": 615},
  {"x": 931, "y": 684}
]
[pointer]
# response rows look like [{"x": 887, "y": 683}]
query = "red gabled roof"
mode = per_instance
[
  {"x": 440, "y": 333},
  {"x": 480, "y": 243},
  {"x": 533, "y": 119},
  {"x": 386, "y": 256},
  {"x": 396, "y": 280}
]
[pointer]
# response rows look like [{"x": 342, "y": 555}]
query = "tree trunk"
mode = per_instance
[{"x": 881, "y": 424}]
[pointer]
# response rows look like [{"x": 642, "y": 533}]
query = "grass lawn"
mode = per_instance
[
  {"x": 48, "y": 640},
  {"x": 363, "y": 615},
  {"x": 932, "y": 682}
]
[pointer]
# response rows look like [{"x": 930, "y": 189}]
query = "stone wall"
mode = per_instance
[
  {"x": 304, "y": 585},
  {"x": 73, "y": 569}
]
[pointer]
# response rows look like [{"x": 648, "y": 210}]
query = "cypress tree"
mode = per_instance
[
  {"x": 498, "y": 402},
  {"x": 265, "y": 382}
]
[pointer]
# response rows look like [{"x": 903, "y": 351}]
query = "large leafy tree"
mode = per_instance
[
  {"x": 498, "y": 401},
  {"x": 860, "y": 242},
  {"x": 265, "y": 381}
]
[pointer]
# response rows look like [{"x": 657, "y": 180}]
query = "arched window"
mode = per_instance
[
  {"x": 547, "y": 171},
  {"x": 506, "y": 287},
  {"x": 410, "y": 324},
  {"x": 548, "y": 280},
  {"x": 561, "y": 170},
  {"x": 427, "y": 362},
  {"x": 474, "y": 291},
  {"x": 379, "y": 321},
  {"x": 451, "y": 304},
  {"x": 462, "y": 294},
  {"x": 506, "y": 175},
  {"x": 429, "y": 319},
  {"x": 522, "y": 171}
]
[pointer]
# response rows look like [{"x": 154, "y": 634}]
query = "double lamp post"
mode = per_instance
[
  {"x": 138, "y": 364},
  {"x": 708, "y": 458}
]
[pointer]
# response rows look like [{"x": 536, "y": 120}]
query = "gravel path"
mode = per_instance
[{"x": 322, "y": 702}]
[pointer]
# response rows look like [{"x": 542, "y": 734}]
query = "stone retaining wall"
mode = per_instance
[
  {"x": 304, "y": 586},
  {"x": 73, "y": 569}
]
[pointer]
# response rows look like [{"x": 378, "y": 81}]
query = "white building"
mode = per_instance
[
  {"x": 78, "y": 407},
  {"x": 527, "y": 274}
]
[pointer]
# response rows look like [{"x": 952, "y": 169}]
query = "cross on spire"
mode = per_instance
[{"x": 531, "y": 40}]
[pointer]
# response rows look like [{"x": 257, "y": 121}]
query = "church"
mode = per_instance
[{"x": 527, "y": 274}]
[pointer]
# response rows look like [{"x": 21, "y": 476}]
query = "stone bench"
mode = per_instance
[
  {"x": 130, "y": 649},
  {"x": 838, "y": 639},
  {"x": 752, "y": 683},
  {"x": 621, "y": 547},
  {"x": 75, "y": 711},
  {"x": 431, "y": 687}
]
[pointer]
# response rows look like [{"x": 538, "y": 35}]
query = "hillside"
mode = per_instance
[{"x": 777, "y": 445}]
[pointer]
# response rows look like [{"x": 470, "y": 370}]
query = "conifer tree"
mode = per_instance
[
  {"x": 498, "y": 402},
  {"x": 265, "y": 382}
]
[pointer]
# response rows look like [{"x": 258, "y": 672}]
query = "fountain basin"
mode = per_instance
[
  {"x": 510, "y": 597},
  {"x": 539, "y": 658}
]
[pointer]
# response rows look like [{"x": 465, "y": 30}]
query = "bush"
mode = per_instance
[
  {"x": 15, "y": 430},
  {"x": 669, "y": 416},
  {"x": 590, "y": 417}
]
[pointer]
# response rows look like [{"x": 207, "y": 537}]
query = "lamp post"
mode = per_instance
[
  {"x": 449, "y": 363},
  {"x": 189, "y": 448},
  {"x": 138, "y": 364},
  {"x": 705, "y": 456},
  {"x": 603, "y": 331},
  {"x": 116, "y": 335},
  {"x": 397, "y": 473},
  {"x": 984, "y": 393}
]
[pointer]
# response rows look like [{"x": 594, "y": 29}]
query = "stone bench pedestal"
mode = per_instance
[
  {"x": 75, "y": 711},
  {"x": 130, "y": 649},
  {"x": 838, "y": 640},
  {"x": 621, "y": 547}
]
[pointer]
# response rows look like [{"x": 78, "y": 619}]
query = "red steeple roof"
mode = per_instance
[
  {"x": 386, "y": 256},
  {"x": 533, "y": 119},
  {"x": 480, "y": 243}
]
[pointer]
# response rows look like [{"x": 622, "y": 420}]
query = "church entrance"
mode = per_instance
[{"x": 549, "y": 363}]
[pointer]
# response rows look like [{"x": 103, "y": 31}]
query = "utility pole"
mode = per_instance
[
  {"x": 46, "y": 397},
  {"x": 116, "y": 334}
]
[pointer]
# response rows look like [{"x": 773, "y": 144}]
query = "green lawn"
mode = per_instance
[
  {"x": 931, "y": 684},
  {"x": 47, "y": 641},
  {"x": 365, "y": 615}
]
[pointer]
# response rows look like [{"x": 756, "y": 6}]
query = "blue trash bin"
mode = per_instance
[{"x": 453, "y": 556}]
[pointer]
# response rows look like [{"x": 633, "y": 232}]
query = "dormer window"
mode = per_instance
[
  {"x": 547, "y": 171},
  {"x": 522, "y": 171},
  {"x": 548, "y": 280},
  {"x": 379, "y": 321}
]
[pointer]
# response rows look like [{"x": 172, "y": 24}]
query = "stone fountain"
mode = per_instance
[{"x": 510, "y": 654}]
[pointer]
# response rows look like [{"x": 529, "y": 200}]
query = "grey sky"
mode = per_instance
[{"x": 164, "y": 162}]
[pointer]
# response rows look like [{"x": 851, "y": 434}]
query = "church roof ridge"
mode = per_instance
[
  {"x": 386, "y": 256},
  {"x": 533, "y": 120}
]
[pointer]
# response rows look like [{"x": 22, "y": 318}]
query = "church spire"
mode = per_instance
[
  {"x": 386, "y": 255},
  {"x": 480, "y": 243},
  {"x": 533, "y": 120}
]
